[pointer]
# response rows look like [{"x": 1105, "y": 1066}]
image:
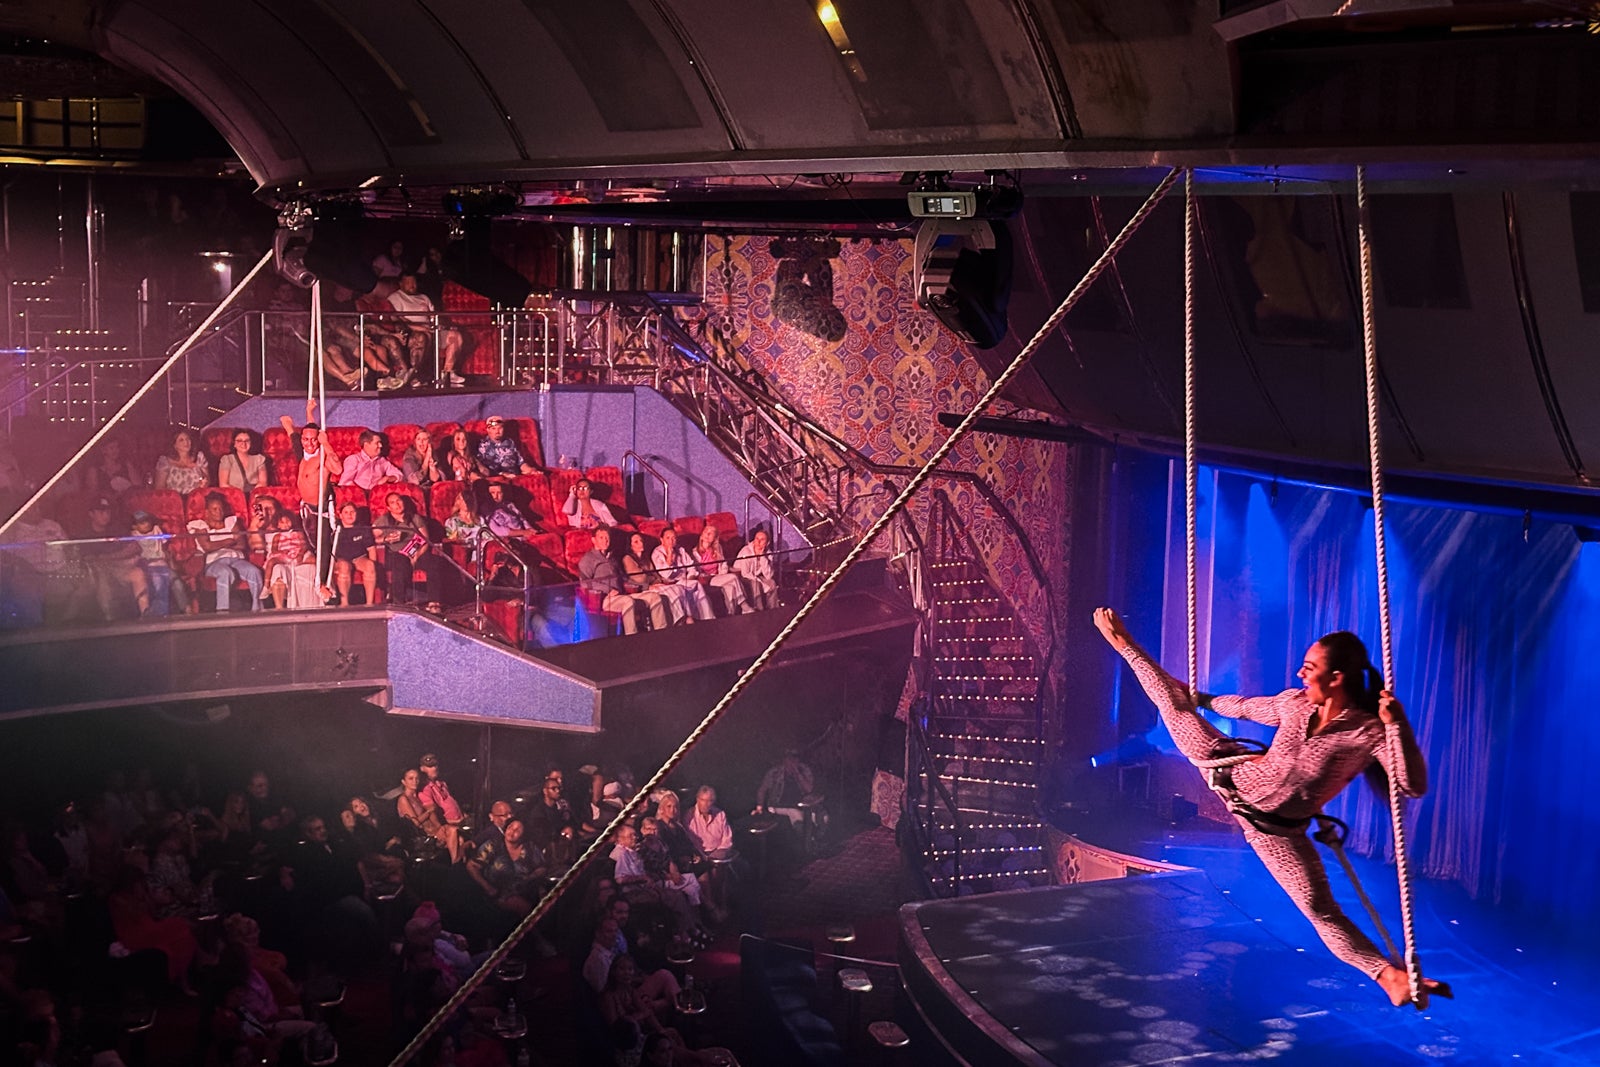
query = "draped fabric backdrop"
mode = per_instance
[{"x": 1497, "y": 659}]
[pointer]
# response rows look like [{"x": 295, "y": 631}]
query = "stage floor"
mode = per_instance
[{"x": 1215, "y": 966}]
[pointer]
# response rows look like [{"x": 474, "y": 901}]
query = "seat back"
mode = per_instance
[
  {"x": 577, "y": 542},
  {"x": 378, "y": 499},
  {"x": 345, "y": 440},
  {"x": 287, "y": 496},
  {"x": 607, "y": 482},
  {"x": 400, "y": 436},
  {"x": 482, "y": 338},
  {"x": 194, "y": 505},
  {"x": 279, "y": 450},
  {"x": 727, "y": 525},
  {"x": 538, "y": 506},
  {"x": 442, "y": 499},
  {"x": 441, "y": 432},
  {"x": 688, "y": 527},
  {"x": 218, "y": 440}
]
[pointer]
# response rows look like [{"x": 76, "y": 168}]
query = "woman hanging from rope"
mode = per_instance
[{"x": 1343, "y": 723}]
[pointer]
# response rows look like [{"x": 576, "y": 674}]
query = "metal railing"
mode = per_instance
[{"x": 666, "y": 486}]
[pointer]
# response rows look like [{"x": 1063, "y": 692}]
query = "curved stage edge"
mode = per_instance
[{"x": 1161, "y": 962}]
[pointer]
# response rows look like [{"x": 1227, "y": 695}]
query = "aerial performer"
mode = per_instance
[{"x": 1341, "y": 724}]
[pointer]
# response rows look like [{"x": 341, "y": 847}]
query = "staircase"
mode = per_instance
[{"x": 978, "y": 728}]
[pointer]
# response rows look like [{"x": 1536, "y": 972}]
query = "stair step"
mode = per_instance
[
  {"x": 970, "y": 876},
  {"x": 1004, "y": 658},
  {"x": 994, "y": 850},
  {"x": 968, "y": 757},
  {"x": 967, "y": 779},
  {"x": 982, "y": 739}
]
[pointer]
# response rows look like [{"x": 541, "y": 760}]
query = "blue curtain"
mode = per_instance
[{"x": 1497, "y": 659}]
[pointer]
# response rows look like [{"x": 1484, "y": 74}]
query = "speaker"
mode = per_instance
[
  {"x": 963, "y": 276},
  {"x": 471, "y": 263}
]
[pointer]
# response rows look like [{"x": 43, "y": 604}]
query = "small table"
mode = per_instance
[{"x": 810, "y": 807}]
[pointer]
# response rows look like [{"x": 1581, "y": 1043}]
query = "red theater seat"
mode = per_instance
[
  {"x": 287, "y": 496},
  {"x": 689, "y": 527},
  {"x": 527, "y": 434},
  {"x": 400, "y": 436},
  {"x": 576, "y": 543},
  {"x": 167, "y": 507},
  {"x": 441, "y": 432},
  {"x": 349, "y": 494},
  {"x": 537, "y": 489},
  {"x": 219, "y": 440},
  {"x": 607, "y": 482},
  {"x": 471, "y": 313},
  {"x": 277, "y": 447},
  {"x": 726, "y": 523},
  {"x": 378, "y": 499},
  {"x": 442, "y": 499},
  {"x": 561, "y": 482},
  {"x": 345, "y": 440},
  {"x": 652, "y": 528}
]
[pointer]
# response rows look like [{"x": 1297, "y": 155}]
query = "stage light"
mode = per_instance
[{"x": 963, "y": 276}]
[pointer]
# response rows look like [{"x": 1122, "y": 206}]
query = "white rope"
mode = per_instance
[
  {"x": 1402, "y": 862},
  {"x": 317, "y": 389},
  {"x": 1191, "y": 469}
]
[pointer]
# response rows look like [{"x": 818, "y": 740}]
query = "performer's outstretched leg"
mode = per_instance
[
  {"x": 1194, "y": 736},
  {"x": 1295, "y": 865}
]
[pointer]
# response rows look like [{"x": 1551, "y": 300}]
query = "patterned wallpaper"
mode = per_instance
[{"x": 880, "y": 382}]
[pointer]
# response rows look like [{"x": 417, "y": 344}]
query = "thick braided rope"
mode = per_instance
[
  {"x": 313, "y": 371},
  {"x": 572, "y": 873},
  {"x": 1191, "y": 468},
  {"x": 1402, "y": 862}
]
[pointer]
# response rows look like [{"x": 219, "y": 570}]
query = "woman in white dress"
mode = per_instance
[
  {"x": 754, "y": 565},
  {"x": 714, "y": 569}
]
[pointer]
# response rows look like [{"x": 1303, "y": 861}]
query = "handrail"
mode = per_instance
[
  {"x": 666, "y": 487},
  {"x": 771, "y": 513},
  {"x": 917, "y": 741},
  {"x": 527, "y": 582}
]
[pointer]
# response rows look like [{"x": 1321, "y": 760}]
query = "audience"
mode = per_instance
[
  {"x": 243, "y": 468},
  {"x": 419, "y": 316},
  {"x": 714, "y": 571},
  {"x": 156, "y": 587},
  {"x": 583, "y": 511},
  {"x": 183, "y": 469},
  {"x": 672, "y": 564},
  {"x": 427, "y": 820},
  {"x": 420, "y": 463},
  {"x": 505, "y": 518},
  {"x": 368, "y": 467},
  {"x": 355, "y": 551},
  {"x": 407, "y": 542},
  {"x": 754, "y": 565},
  {"x": 639, "y": 576},
  {"x": 111, "y": 564},
  {"x": 550, "y": 823},
  {"x": 461, "y": 459},
  {"x": 599, "y": 576},
  {"x": 221, "y": 539},
  {"x": 320, "y": 466},
  {"x": 465, "y": 525},
  {"x": 291, "y": 565},
  {"x": 499, "y": 455}
]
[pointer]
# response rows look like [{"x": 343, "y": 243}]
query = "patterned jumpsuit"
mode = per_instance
[{"x": 1292, "y": 780}]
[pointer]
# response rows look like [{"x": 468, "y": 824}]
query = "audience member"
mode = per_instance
[
  {"x": 707, "y": 826},
  {"x": 155, "y": 587},
  {"x": 714, "y": 570},
  {"x": 368, "y": 467},
  {"x": 134, "y": 921},
  {"x": 639, "y": 576},
  {"x": 111, "y": 472},
  {"x": 427, "y": 820},
  {"x": 505, "y": 518},
  {"x": 753, "y": 564},
  {"x": 783, "y": 787},
  {"x": 599, "y": 575},
  {"x": 506, "y": 868},
  {"x": 549, "y": 821},
  {"x": 355, "y": 551},
  {"x": 243, "y": 468},
  {"x": 461, "y": 459},
  {"x": 407, "y": 542},
  {"x": 679, "y": 890},
  {"x": 393, "y": 262},
  {"x": 112, "y": 563},
  {"x": 382, "y": 873},
  {"x": 436, "y": 791},
  {"x": 220, "y": 537},
  {"x": 583, "y": 511},
  {"x": 495, "y": 826},
  {"x": 660, "y": 987},
  {"x": 624, "y": 1000},
  {"x": 498, "y": 454},
  {"x": 420, "y": 463},
  {"x": 264, "y": 512},
  {"x": 291, "y": 565},
  {"x": 465, "y": 524},
  {"x": 419, "y": 314},
  {"x": 182, "y": 469},
  {"x": 672, "y": 563}
]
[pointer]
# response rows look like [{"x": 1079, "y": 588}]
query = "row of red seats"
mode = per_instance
[
  {"x": 563, "y": 547},
  {"x": 277, "y": 447}
]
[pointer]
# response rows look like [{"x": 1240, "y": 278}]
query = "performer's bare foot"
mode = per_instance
[
  {"x": 1111, "y": 628},
  {"x": 1397, "y": 984}
]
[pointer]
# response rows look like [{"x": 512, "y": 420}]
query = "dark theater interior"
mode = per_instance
[{"x": 799, "y": 533}]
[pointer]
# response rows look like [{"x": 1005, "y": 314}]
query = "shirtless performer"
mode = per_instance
[{"x": 319, "y": 472}]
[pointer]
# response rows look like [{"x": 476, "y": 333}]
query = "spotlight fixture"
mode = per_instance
[{"x": 963, "y": 276}]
